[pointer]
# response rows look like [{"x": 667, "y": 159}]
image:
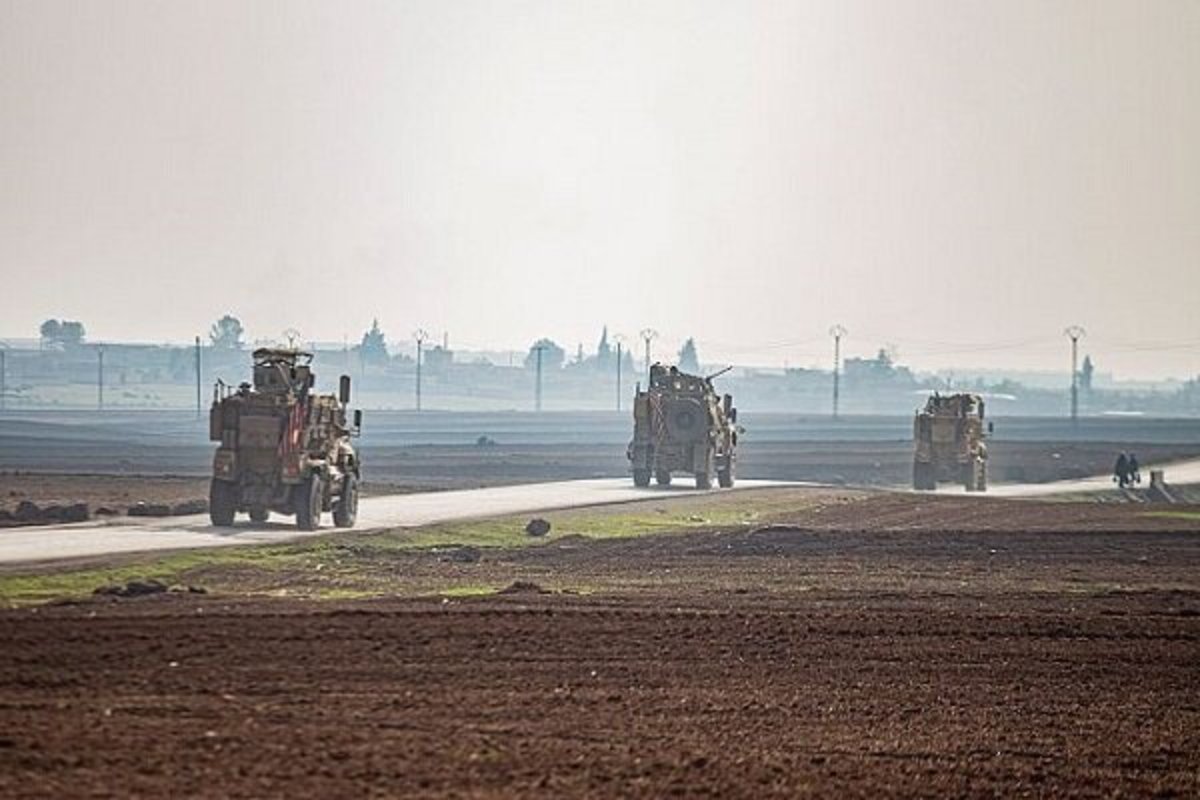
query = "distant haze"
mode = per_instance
[{"x": 958, "y": 179}]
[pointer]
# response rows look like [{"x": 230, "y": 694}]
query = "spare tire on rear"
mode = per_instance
[{"x": 686, "y": 420}]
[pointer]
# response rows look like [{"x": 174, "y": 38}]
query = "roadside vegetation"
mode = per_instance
[{"x": 348, "y": 565}]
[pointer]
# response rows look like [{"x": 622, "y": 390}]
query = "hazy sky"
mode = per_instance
[{"x": 958, "y": 179}]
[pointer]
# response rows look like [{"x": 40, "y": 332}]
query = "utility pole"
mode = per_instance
[
  {"x": 198, "y": 400},
  {"x": 100, "y": 378},
  {"x": 1075, "y": 333},
  {"x": 537, "y": 395},
  {"x": 620, "y": 340},
  {"x": 420, "y": 336},
  {"x": 837, "y": 332},
  {"x": 648, "y": 335}
]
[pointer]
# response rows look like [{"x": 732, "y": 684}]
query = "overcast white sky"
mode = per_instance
[{"x": 958, "y": 179}]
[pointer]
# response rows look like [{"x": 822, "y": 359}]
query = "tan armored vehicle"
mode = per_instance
[
  {"x": 681, "y": 424},
  {"x": 283, "y": 448},
  {"x": 949, "y": 443}
]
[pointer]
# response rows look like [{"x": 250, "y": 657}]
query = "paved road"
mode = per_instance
[
  {"x": 40, "y": 543},
  {"x": 125, "y": 535},
  {"x": 1180, "y": 473}
]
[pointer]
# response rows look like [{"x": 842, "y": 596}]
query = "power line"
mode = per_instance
[
  {"x": 1074, "y": 333},
  {"x": 537, "y": 395},
  {"x": 620, "y": 340},
  {"x": 100, "y": 378},
  {"x": 198, "y": 391},
  {"x": 420, "y": 336},
  {"x": 837, "y": 332},
  {"x": 648, "y": 335}
]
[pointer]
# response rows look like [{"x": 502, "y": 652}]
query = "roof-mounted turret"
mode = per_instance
[{"x": 282, "y": 370}]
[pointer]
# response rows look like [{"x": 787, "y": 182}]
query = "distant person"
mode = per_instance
[
  {"x": 1135, "y": 469},
  {"x": 1121, "y": 471}
]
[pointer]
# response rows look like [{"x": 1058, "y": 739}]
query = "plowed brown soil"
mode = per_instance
[{"x": 866, "y": 653}]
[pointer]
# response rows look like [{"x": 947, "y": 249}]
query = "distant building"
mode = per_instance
[{"x": 438, "y": 358}]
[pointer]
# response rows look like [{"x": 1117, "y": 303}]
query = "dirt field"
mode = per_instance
[{"x": 856, "y": 645}]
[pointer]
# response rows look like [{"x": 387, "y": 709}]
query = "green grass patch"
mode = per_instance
[
  {"x": 467, "y": 591},
  {"x": 346, "y": 565},
  {"x": 509, "y": 532},
  {"x": 1193, "y": 516},
  {"x": 173, "y": 569}
]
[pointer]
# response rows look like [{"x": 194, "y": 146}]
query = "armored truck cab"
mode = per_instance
[
  {"x": 948, "y": 437},
  {"x": 283, "y": 447},
  {"x": 681, "y": 424}
]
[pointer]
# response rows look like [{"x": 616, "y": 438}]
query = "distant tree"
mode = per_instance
[
  {"x": 552, "y": 355},
  {"x": 226, "y": 333},
  {"x": 688, "y": 360},
  {"x": 1086, "y": 374},
  {"x": 66, "y": 332},
  {"x": 374, "y": 345},
  {"x": 627, "y": 365},
  {"x": 72, "y": 332}
]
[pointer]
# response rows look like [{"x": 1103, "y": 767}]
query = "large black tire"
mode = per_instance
[
  {"x": 307, "y": 500},
  {"x": 345, "y": 508},
  {"x": 923, "y": 479},
  {"x": 259, "y": 515},
  {"x": 222, "y": 502},
  {"x": 978, "y": 477},
  {"x": 641, "y": 477},
  {"x": 686, "y": 420},
  {"x": 967, "y": 476},
  {"x": 703, "y": 481},
  {"x": 663, "y": 477},
  {"x": 725, "y": 474}
]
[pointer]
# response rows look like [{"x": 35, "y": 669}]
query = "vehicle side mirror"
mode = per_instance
[
  {"x": 344, "y": 389},
  {"x": 358, "y": 419}
]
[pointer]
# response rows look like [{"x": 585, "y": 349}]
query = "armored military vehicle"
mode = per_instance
[
  {"x": 949, "y": 443},
  {"x": 681, "y": 424},
  {"x": 283, "y": 447}
]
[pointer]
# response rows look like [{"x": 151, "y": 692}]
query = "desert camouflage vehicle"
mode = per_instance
[
  {"x": 949, "y": 443},
  {"x": 681, "y": 424},
  {"x": 283, "y": 448}
]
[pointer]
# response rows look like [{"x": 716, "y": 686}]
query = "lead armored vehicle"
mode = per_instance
[
  {"x": 949, "y": 444},
  {"x": 283, "y": 447},
  {"x": 681, "y": 424}
]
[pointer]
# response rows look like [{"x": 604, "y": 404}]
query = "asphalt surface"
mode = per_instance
[
  {"x": 126, "y": 535},
  {"x": 1185, "y": 472},
  {"x": 131, "y": 535}
]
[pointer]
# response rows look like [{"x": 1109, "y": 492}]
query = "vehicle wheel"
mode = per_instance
[
  {"x": 725, "y": 473},
  {"x": 345, "y": 508},
  {"x": 259, "y": 514},
  {"x": 222, "y": 502},
  {"x": 703, "y": 481},
  {"x": 967, "y": 476},
  {"x": 922, "y": 475},
  {"x": 662, "y": 477},
  {"x": 307, "y": 501},
  {"x": 641, "y": 477}
]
